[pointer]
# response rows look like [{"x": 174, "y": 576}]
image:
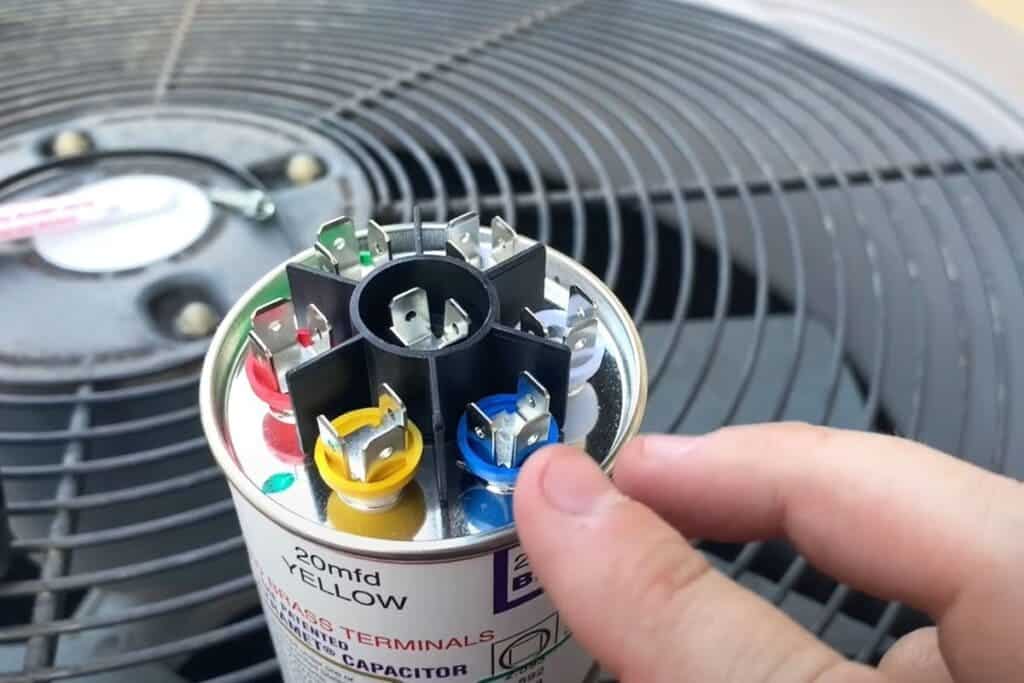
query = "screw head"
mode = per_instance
[
  {"x": 195, "y": 320},
  {"x": 303, "y": 168},
  {"x": 70, "y": 143},
  {"x": 265, "y": 209}
]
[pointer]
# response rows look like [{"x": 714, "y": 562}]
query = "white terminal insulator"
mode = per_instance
[
  {"x": 581, "y": 413},
  {"x": 578, "y": 328}
]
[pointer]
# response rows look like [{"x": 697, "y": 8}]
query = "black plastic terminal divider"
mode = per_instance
[
  {"x": 435, "y": 384},
  {"x": 330, "y": 293}
]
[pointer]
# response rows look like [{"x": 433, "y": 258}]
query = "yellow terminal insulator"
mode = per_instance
[{"x": 367, "y": 456}]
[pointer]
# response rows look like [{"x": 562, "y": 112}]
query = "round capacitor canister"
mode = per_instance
[{"x": 434, "y": 586}]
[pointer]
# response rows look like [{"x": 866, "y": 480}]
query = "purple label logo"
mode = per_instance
[{"x": 514, "y": 582}]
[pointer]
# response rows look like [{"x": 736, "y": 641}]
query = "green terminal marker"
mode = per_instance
[{"x": 276, "y": 483}]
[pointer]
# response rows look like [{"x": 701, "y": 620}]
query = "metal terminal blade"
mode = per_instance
[
  {"x": 581, "y": 320},
  {"x": 582, "y": 337},
  {"x": 529, "y": 322},
  {"x": 581, "y": 307},
  {"x": 456, "y": 323},
  {"x": 274, "y": 324},
  {"x": 378, "y": 241},
  {"x": 328, "y": 434},
  {"x": 366, "y": 446},
  {"x": 463, "y": 235},
  {"x": 278, "y": 341},
  {"x": 411, "y": 322},
  {"x": 503, "y": 240},
  {"x": 532, "y": 399},
  {"x": 379, "y": 446},
  {"x": 272, "y": 334},
  {"x": 533, "y": 403},
  {"x": 336, "y": 243},
  {"x": 393, "y": 407},
  {"x": 480, "y": 425},
  {"x": 508, "y": 436},
  {"x": 410, "y": 317},
  {"x": 530, "y": 434},
  {"x": 319, "y": 328}
]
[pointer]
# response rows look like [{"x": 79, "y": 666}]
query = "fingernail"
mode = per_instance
[
  {"x": 670, "y": 446},
  {"x": 574, "y": 484}
]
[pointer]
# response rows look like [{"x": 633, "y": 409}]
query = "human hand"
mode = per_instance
[{"x": 887, "y": 516}]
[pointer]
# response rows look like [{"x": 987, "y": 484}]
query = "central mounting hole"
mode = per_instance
[{"x": 440, "y": 277}]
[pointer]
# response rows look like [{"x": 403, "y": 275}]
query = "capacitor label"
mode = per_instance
[{"x": 340, "y": 617}]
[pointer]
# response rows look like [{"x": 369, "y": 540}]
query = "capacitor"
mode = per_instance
[{"x": 421, "y": 365}]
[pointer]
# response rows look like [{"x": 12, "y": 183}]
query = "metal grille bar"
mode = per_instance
[{"x": 704, "y": 165}]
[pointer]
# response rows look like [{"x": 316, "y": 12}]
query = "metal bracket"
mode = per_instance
[
  {"x": 277, "y": 340},
  {"x": 337, "y": 244},
  {"x": 366, "y": 446},
  {"x": 509, "y": 435},
  {"x": 410, "y": 321},
  {"x": 255, "y": 204}
]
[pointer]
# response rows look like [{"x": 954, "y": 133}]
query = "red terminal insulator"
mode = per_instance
[
  {"x": 264, "y": 384},
  {"x": 304, "y": 337}
]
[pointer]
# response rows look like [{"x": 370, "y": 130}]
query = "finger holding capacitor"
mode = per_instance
[
  {"x": 650, "y": 608},
  {"x": 641, "y": 599}
]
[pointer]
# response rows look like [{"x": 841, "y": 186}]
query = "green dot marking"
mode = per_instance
[
  {"x": 276, "y": 483},
  {"x": 365, "y": 258}
]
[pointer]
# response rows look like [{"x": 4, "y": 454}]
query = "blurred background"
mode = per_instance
[{"x": 813, "y": 210}]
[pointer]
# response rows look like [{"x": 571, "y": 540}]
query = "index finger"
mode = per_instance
[
  {"x": 642, "y": 600},
  {"x": 888, "y": 516}
]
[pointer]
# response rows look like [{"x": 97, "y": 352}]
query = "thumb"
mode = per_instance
[{"x": 644, "y": 602}]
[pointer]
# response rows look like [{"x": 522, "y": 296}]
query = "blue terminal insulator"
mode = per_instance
[{"x": 498, "y": 433}]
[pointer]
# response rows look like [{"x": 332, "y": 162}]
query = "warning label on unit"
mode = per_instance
[{"x": 337, "y": 617}]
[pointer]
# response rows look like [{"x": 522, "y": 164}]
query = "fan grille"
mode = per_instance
[{"x": 729, "y": 184}]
